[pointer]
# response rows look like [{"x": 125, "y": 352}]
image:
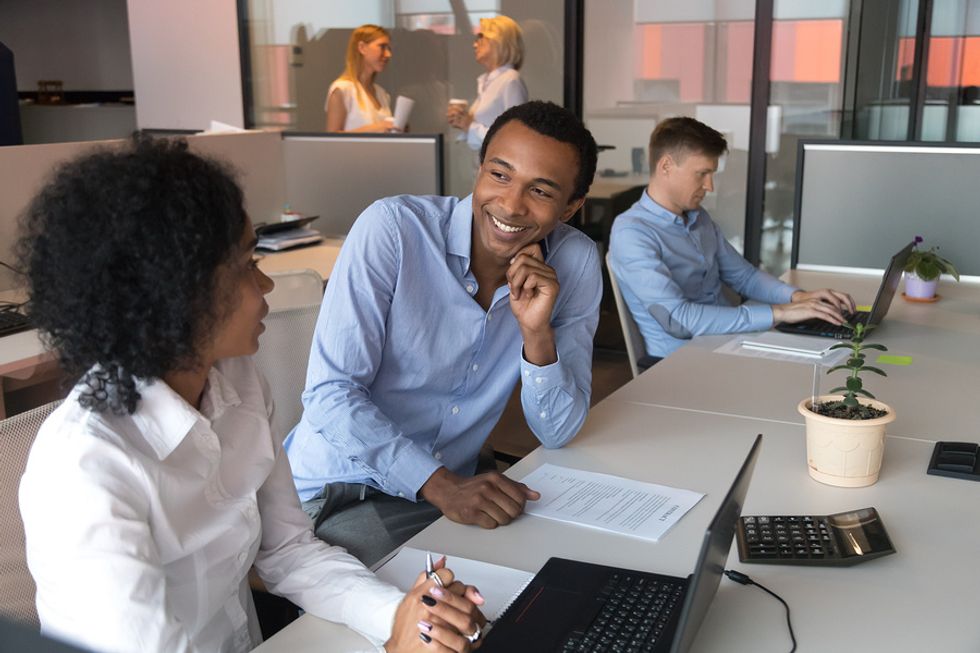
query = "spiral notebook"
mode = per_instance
[{"x": 500, "y": 586}]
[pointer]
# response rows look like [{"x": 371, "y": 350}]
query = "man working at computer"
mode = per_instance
[
  {"x": 671, "y": 259},
  {"x": 433, "y": 311}
]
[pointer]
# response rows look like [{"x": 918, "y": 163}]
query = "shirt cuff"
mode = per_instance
[
  {"x": 409, "y": 472},
  {"x": 760, "y": 316},
  {"x": 788, "y": 297},
  {"x": 541, "y": 380}
]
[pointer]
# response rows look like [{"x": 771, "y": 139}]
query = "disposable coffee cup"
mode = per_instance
[
  {"x": 403, "y": 108},
  {"x": 457, "y": 102}
]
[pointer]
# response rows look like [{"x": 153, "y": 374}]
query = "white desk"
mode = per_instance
[
  {"x": 934, "y": 398},
  {"x": 922, "y": 598}
]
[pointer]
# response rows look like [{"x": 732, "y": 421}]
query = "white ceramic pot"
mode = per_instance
[
  {"x": 845, "y": 452},
  {"x": 916, "y": 288}
]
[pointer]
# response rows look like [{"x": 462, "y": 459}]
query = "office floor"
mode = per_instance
[{"x": 610, "y": 371}]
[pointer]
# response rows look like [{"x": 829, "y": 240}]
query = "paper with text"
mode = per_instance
[
  {"x": 498, "y": 585},
  {"x": 612, "y": 503}
]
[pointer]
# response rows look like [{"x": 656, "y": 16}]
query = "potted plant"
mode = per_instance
[
  {"x": 922, "y": 272},
  {"x": 845, "y": 433}
]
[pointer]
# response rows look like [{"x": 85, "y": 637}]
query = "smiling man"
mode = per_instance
[
  {"x": 435, "y": 309},
  {"x": 671, "y": 259}
]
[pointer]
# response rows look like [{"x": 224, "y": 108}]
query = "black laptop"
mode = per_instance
[
  {"x": 883, "y": 300},
  {"x": 579, "y": 606}
]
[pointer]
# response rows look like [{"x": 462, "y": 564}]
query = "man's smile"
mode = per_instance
[{"x": 507, "y": 228}]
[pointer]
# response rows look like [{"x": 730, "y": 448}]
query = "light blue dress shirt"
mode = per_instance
[
  {"x": 408, "y": 373},
  {"x": 671, "y": 271}
]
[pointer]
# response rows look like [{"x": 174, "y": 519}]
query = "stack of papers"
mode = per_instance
[
  {"x": 788, "y": 343},
  {"x": 287, "y": 238}
]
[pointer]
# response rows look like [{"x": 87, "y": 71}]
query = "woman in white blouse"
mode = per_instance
[
  {"x": 498, "y": 47},
  {"x": 158, "y": 483},
  {"x": 355, "y": 103}
]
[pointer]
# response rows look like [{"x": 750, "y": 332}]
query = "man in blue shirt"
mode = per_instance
[
  {"x": 670, "y": 258},
  {"x": 434, "y": 310}
]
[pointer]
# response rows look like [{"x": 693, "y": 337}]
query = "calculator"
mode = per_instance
[{"x": 838, "y": 540}]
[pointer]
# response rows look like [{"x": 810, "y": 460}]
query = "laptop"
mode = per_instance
[
  {"x": 883, "y": 300},
  {"x": 579, "y": 606}
]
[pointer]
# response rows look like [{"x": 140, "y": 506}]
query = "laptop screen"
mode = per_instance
[
  {"x": 889, "y": 284},
  {"x": 714, "y": 554}
]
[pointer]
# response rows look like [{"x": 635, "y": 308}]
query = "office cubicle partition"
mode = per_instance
[
  {"x": 336, "y": 176},
  {"x": 859, "y": 203}
]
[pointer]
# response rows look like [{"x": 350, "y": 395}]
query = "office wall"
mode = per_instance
[
  {"x": 186, "y": 65},
  {"x": 84, "y": 43}
]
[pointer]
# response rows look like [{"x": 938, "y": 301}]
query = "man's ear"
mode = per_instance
[
  {"x": 666, "y": 164},
  {"x": 572, "y": 209}
]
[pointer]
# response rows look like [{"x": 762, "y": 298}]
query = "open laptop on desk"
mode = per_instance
[
  {"x": 579, "y": 606},
  {"x": 883, "y": 300}
]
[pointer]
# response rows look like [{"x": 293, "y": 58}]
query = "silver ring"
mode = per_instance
[{"x": 475, "y": 636}]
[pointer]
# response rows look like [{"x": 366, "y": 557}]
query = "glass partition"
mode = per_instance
[{"x": 297, "y": 48}]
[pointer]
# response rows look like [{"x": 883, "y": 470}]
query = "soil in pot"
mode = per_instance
[{"x": 838, "y": 410}]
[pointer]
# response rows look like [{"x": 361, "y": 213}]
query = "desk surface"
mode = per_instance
[
  {"x": 934, "y": 398},
  {"x": 876, "y": 606}
]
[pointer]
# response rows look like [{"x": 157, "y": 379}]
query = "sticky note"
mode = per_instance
[
  {"x": 863, "y": 308},
  {"x": 889, "y": 359}
]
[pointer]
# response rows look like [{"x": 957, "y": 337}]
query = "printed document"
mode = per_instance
[{"x": 611, "y": 503}]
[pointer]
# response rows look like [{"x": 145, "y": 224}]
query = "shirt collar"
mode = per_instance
[
  {"x": 666, "y": 215},
  {"x": 459, "y": 242},
  {"x": 486, "y": 78},
  {"x": 165, "y": 418}
]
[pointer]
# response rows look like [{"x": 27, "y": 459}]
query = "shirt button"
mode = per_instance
[
  {"x": 543, "y": 414},
  {"x": 438, "y": 455},
  {"x": 539, "y": 379},
  {"x": 242, "y": 556},
  {"x": 401, "y": 494},
  {"x": 475, "y": 367},
  {"x": 455, "y": 410},
  {"x": 469, "y": 287},
  {"x": 489, "y": 317},
  {"x": 527, "y": 372}
]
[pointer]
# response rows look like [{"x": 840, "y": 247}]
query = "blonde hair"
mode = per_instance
[
  {"x": 507, "y": 39},
  {"x": 354, "y": 59}
]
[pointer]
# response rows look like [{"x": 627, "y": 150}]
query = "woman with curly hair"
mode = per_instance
[
  {"x": 355, "y": 103},
  {"x": 143, "y": 277}
]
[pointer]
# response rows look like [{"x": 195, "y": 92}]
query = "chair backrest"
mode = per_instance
[
  {"x": 635, "y": 347},
  {"x": 284, "y": 352},
  {"x": 295, "y": 288},
  {"x": 17, "y": 588}
]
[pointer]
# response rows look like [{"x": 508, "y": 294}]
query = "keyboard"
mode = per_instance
[
  {"x": 13, "y": 322},
  {"x": 635, "y": 614},
  {"x": 828, "y": 329}
]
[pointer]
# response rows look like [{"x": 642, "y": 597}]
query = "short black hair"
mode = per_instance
[
  {"x": 121, "y": 250},
  {"x": 682, "y": 135},
  {"x": 553, "y": 121}
]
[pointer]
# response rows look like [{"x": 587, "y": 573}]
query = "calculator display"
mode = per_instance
[{"x": 859, "y": 532}]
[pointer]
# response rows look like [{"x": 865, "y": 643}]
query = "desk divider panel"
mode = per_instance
[
  {"x": 336, "y": 176},
  {"x": 859, "y": 203}
]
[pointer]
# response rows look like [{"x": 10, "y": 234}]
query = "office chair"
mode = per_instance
[
  {"x": 635, "y": 347},
  {"x": 17, "y": 588},
  {"x": 284, "y": 347}
]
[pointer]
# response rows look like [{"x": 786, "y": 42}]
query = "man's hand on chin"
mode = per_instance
[{"x": 487, "y": 500}]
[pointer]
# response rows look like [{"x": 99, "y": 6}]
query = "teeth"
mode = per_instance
[{"x": 503, "y": 227}]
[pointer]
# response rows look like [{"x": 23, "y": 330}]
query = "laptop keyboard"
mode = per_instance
[
  {"x": 839, "y": 331},
  {"x": 12, "y": 322},
  {"x": 634, "y": 615}
]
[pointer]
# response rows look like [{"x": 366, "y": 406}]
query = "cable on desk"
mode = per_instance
[{"x": 743, "y": 579}]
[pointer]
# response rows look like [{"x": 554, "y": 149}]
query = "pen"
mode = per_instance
[{"x": 430, "y": 572}]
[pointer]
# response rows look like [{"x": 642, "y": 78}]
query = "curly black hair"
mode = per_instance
[
  {"x": 121, "y": 250},
  {"x": 549, "y": 119}
]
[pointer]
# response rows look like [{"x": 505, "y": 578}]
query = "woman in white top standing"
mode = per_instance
[
  {"x": 355, "y": 103},
  {"x": 171, "y": 481},
  {"x": 498, "y": 47}
]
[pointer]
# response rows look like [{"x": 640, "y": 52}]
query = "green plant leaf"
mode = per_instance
[
  {"x": 834, "y": 391},
  {"x": 868, "y": 368},
  {"x": 838, "y": 367},
  {"x": 840, "y": 345},
  {"x": 854, "y": 384},
  {"x": 875, "y": 346},
  {"x": 865, "y": 393},
  {"x": 850, "y": 401}
]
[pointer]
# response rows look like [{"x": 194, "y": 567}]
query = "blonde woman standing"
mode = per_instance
[
  {"x": 498, "y": 47},
  {"x": 355, "y": 103}
]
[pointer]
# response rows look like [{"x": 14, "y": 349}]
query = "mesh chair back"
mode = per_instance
[
  {"x": 17, "y": 588},
  {"x": 635, "y": 347},
  {"x": 295, "y": 288},
  {"x": 284, "y": 351}
]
